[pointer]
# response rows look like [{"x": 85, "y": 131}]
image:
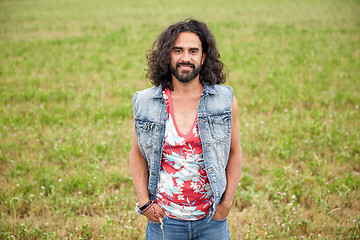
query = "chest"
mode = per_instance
[{"x": 185, "y": 113}]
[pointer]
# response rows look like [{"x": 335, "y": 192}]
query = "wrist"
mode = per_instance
[
  {"x": 227, "y": 202},
  {"x": 143, "y": 201},
  {"x": 145, "y": 206}
]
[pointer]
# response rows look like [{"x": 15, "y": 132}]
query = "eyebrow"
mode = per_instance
[{"x": 180, "y": 48}]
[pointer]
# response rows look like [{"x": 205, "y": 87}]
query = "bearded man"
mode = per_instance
[{"x": 186, "y": 155}]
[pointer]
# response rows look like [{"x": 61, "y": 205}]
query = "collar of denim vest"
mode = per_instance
[{"x": 208, "y": 90}]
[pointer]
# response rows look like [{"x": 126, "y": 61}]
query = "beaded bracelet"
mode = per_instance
[
  {"x": 153, "y": 210},
  {"x": 145, "y": 206}
]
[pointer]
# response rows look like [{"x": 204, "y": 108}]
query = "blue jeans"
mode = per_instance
[{"x": 174, "y": 229}]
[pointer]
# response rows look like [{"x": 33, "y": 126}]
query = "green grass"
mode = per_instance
[{"x": 68, "y": 70}]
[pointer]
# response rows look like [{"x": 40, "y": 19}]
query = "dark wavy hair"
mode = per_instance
[{"x": 158, "y": 58}]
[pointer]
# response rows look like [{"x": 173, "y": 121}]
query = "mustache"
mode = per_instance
[{"x": 185, "y": 64}]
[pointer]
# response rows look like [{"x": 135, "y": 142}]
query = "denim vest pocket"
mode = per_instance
[
  {"x": 220, "y": 126},
  {"x": 145, "y": 132}
]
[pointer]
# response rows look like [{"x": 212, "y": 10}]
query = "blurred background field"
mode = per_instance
[{"x": 68, "y": 70}]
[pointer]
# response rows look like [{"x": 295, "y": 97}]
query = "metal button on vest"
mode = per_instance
[
  {"x": 156, "y": 151},
  {"x": 153, "y": 173},
  {"x": 159, "y": 127}
]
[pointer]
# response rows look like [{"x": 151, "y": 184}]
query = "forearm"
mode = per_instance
[
  {"x": 139, "y": 175},
  {"x": 233, "y": 175},
  {"x": 233, "y": 168}
]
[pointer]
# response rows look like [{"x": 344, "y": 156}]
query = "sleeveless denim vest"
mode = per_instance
[{"x": 214, "y": 122}]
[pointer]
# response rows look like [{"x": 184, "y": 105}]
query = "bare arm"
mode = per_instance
[
  {"x": 139, "y": 172},
  {"x": 233, "y": 169},
  {"x": 139, "y": 176}
]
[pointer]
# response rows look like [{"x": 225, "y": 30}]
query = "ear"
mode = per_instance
[{"x": 203, "y": 57}]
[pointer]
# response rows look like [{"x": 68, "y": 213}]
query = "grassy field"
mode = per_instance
[{"x": 68, "y": 70}]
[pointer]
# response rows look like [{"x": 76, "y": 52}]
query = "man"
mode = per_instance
[{"x": 186, "y": 156}]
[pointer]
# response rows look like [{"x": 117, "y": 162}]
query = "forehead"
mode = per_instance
[{"x": 188, "y": 40}]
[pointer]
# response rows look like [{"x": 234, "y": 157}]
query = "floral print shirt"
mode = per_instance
[{"x": 184, "y": 190}]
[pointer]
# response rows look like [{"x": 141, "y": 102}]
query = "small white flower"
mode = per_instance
[{"x": 60, "y": 179}]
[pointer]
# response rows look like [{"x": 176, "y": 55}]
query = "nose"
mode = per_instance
[{"x": 186, "y": 56}]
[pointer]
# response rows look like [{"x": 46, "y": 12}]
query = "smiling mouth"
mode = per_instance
[{"x": 185, "y": 66}]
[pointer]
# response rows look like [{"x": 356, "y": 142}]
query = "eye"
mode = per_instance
[{"x": 194, "y": 51}]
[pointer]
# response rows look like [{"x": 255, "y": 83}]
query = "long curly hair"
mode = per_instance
[{"x": 158, "y": 58}]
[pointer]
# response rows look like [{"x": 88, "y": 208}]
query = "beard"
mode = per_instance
[{"x": 185, "y": 76}]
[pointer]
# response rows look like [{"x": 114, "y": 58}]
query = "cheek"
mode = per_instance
[{"x": 174, "y": 60}]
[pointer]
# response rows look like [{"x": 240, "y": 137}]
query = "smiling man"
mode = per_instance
[{"x": 186, "y": 155}]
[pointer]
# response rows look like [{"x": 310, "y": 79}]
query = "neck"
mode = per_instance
[{"x": 190, "y": 88}]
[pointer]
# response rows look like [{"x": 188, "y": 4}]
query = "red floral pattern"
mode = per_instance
[{"x": 184, "y": 190}]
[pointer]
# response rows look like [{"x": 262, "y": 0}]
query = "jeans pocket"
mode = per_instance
[
  {"x": 159, "y": 221},
  {"x": 156, "y": 223},
  {"x": 217, "y": 220}
]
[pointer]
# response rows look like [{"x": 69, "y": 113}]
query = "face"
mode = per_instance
[{"x": 186, "y": 57}]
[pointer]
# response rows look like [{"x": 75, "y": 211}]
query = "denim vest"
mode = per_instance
[{"x": 214, "y": 122}]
